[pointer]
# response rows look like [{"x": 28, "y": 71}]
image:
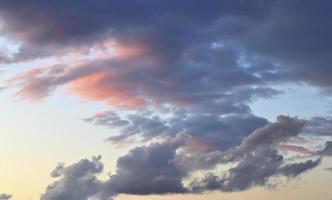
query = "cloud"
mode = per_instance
[
  {"x": 77, "y": 182},
  {"x": 144, "y": 170},
  {"x": 150, "y": 170},
  {"x": 176, "y": 64},
  {"x": 135, "y": 83},
  {"x": 293, "y": 170},
  {"x": 327, "y": 151},
  {"x": 319, "y": 126},
  {"x": 220, "y": 132},
  {"x": 257, "y": 159},
  {"x": 256, "y": 170},
  {"x": 270, "y": 48},
  {"x": 211, "y": 73},
  {"x": 5, "y": 196},
  {"x": 291, "y": 45},
  {"x": 295, "y": 148},
  {"x": 284, "y": 128},
  {"x": 167, "y": 32},
  {"x": 162, "y": 167},
  {"x": 57, "y": 172}
]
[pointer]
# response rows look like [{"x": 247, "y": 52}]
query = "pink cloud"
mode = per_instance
[
  {"x": 294, "y": 148},
  {"x": 101, "y": 87}
]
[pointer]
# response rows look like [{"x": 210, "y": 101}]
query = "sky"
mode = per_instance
[{"x": 160, "y": 99}]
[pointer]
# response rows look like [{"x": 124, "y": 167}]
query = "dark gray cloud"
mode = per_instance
[
  {"x": 150, "y": 170},
  {"x": 265, "y": 137},
  {"x": 327, "y": 151},
  {"x": 57, "y": 172},
  {"x": 77, "y": 182},
  {"x": 160, "y": 168},
  {"x": 132, "y": 124},
  {"x": 210, "y": 131},
  {"x": 167, "y": 26},
  {"x": 295, "y": 169},
  {"x": 144, "y": 170},
  {"x": 277, "y": 40},
  {"x": 5, "y": 196},
  {"x": 262, "y": 139},
  {"x": 254, "y": 170},
  {"x": 292, "y": 39},
  {"x": 257, "y": 159},
  {"x": 281, "y": 130}
]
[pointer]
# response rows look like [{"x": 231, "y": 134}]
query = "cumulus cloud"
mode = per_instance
[
  {"x": 144, "y": 170},
  {"x": 162, "y": 167},
  {"x": 151, "y": 169},
  {"x": 77, "y": 182}
]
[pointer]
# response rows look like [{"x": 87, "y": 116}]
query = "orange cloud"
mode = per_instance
[
  {"x": 128, "y": 51},
  {"x": 121, "y": 50},
  {"x": 33, "y": 84},
  {"x": 100, "y": 87}
]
